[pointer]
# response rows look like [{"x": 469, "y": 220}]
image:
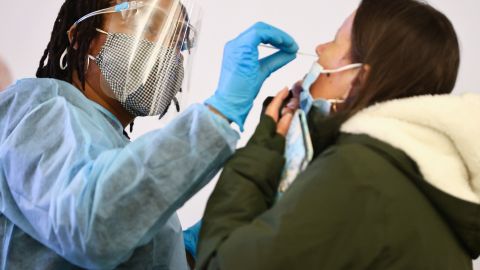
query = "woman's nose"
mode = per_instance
[{"x": 320, "y": 48}]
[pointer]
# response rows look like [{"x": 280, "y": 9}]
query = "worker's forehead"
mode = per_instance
[
  {"x": 159, "y": 9},
  {"x": 165, "y": 5},
  {"x": 153, "y": 12}
]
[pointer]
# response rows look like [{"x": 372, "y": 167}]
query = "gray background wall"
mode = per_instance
[{"x": 25, "y": 27}]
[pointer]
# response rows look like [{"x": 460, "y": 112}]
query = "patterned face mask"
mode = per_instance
[{"x": 139, "y": 93}]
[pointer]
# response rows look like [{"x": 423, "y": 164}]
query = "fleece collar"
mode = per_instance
[{"x": 440, "y": 133}]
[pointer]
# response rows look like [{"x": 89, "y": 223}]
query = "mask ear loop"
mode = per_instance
[
  {"x": 347, "y": 67},
  {"x": 90, "y": 57},
  {"x": 329, "y": 72},
  {"x": 335, "y": 103}
]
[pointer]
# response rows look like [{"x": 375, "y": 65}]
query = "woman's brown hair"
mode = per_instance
[{"x": 410, "y": 47}]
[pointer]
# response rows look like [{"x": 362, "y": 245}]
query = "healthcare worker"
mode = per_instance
[{"x": 75, "y": 193}]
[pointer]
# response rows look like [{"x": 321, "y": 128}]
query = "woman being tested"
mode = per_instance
[
  {"x": 75, "y": 192},
  {"x": 395, "y": 178}
]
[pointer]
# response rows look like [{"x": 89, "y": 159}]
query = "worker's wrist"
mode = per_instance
[{"x": 215, "y": 111}]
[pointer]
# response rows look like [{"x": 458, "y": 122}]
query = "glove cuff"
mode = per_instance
[{"x": 234, "y": 113}]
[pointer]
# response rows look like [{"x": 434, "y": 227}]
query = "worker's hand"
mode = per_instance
[
  {"x": 243, "y": 73},
  {"x": 285, "y": 119}
]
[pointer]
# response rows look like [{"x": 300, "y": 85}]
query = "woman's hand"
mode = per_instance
[{"x": 285, "y": 119}]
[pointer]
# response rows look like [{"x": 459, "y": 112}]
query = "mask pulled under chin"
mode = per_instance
[{"x": 306, "y": 99}]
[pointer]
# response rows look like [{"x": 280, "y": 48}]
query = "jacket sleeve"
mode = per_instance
[
  {"x": 324, "y": 221},
  {"x": 95, "y": 203}
]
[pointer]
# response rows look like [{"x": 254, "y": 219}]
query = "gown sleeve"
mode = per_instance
[{"x": 69, "y": 181}]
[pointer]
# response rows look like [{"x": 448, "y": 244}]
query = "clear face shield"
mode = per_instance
[{"x": 146, "y": 60}]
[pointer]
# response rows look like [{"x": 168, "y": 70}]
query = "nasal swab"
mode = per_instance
[{"x": 298, "y": 53}]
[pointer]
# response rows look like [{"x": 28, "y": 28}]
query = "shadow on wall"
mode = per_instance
[{"x": 5, "y": 75}]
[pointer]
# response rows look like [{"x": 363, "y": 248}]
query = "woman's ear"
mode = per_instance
[
  {"x": 362, "y": 77},
  {"x": 359, "y": 81},
  {"x": 363, "y": 74}
]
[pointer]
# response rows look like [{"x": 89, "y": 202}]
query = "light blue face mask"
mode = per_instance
[{"x": 306, "y": 99}]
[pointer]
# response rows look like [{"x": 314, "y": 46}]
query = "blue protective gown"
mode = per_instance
[{"x": 76, "y": 193}]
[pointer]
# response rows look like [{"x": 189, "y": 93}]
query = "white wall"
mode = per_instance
[{"x": 25, "y": 28}]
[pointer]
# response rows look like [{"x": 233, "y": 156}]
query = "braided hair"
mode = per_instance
[{"x": 78, "y": 48}]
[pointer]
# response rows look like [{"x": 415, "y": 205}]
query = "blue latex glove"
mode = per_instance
[
  {"x": 243, "y": 73},
  {"x": 190, "y": 238}
]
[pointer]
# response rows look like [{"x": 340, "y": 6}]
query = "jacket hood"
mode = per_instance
[{"x": 441, "y": 134}]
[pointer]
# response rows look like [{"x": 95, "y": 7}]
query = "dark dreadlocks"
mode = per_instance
[
  {"x": 83, "y": 35},
  {"x": 85, "y": 32}
]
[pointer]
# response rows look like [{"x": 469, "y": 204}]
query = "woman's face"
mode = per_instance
[{"x": 333, "y": 55}]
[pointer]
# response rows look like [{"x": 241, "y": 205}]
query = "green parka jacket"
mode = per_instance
[{"x": 398, "y": 188}]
